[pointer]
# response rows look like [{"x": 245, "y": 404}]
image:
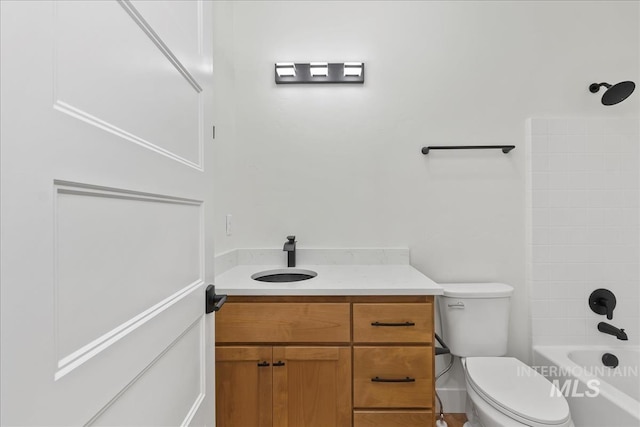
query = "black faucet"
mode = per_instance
[
  {"x": 612, "y": 330},
  {"x": 290, "y": 248}
]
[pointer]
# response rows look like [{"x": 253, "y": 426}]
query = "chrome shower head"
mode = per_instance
[{"x": 614, "y": 94}]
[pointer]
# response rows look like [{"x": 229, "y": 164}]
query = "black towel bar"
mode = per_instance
[{"x": 505, "y": 148}]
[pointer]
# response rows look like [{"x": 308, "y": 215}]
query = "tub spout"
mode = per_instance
[{"x": 612, "y": 330}]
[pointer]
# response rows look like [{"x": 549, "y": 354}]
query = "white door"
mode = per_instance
[{"x": 105, "y": 209}]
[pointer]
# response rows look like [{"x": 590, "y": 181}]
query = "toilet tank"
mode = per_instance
[{"x": 475, "y": 318}]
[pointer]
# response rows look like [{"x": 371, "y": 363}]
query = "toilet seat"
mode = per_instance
[{"x": 516, "y": 390}]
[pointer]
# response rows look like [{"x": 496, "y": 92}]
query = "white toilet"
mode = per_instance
[{"x": 501, "y": 391}]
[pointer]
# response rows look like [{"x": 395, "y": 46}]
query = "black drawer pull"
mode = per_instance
[
  {"x": 393, "y": 324},
  {"x": 261, "y": 364},
  {"x": 279, "y": 363},
  {"x": 393, "y": 380}
]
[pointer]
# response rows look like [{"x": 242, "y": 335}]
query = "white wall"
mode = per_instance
[
  {"x": 224, "y": 117},
  {"x": 340, "y": 166}
]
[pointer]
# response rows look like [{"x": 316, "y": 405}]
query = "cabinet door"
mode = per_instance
[
  {"x": 243, "y": 386},
  {"x": 311, "y": 386},
  {"x": 393, "y": 323},
  {"x": 393, "y": 377}
]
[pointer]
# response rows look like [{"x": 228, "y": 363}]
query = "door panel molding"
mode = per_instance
[
  {"x": 155, "y": 38},
  {"x": 82, "y": 332},
  {"x": 76, "y": 359},
  {"x": 79, "y": 114},
  {"x": 110, "y": 89},
  {"x": 166, "y": 364},
  {"x": 70, "y": 186}
]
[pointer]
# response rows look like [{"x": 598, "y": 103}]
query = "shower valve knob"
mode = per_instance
[{"x": 602, "y": 301}]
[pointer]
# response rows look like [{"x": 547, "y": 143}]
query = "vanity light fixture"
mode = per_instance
[
  {"x": 286, "y": 69},
  {"x": 319, "y": 72}
]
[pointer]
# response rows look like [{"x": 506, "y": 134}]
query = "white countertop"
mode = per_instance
[{"x": 331, "y": 280}]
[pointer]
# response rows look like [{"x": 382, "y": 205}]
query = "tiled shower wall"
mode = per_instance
[{"x": 584, "y": 206}]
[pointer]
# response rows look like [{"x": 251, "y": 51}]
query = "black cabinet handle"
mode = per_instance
[
  {"x": 261, "y": 364},
  {"x": 505, "y": 148},
  {"x": 393, "y": 324},
  {"x": 393, "y": 380},
  {"x": 279, "y": 363}
]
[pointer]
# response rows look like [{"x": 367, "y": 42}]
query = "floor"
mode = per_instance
[{"x": 455, "y": 420}]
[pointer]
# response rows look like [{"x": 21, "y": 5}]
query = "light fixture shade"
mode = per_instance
[
  {"x": 319, "y": 69},
  {"x": 319, "y": 72},
  {"x": 285, "y": 69},
  {"x": 352, "y": 69}
]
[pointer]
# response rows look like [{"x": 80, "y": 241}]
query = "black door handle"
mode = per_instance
[
  {"x": 279, "y": 363},
  {"x": 261, "y": 364},
  {"x": 213, "y": 302}
]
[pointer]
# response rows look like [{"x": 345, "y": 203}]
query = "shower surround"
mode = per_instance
[{"x": 583, "y": 212}]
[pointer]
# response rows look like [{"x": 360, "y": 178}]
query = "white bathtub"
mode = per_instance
[{"x": 598, "y": 396}]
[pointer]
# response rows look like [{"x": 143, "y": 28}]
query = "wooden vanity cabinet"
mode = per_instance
[{"x": 325, "y": 361}]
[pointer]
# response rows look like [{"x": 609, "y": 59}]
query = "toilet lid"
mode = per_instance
[{"x": 510, "y": 385}]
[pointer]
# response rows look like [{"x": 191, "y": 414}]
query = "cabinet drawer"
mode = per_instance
[
  {"x": 283, "y": 323},
  {"x": 392, "y": 377},
  {"x": 393, "y": 323},
  {"x": 393, "y": 419}
]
